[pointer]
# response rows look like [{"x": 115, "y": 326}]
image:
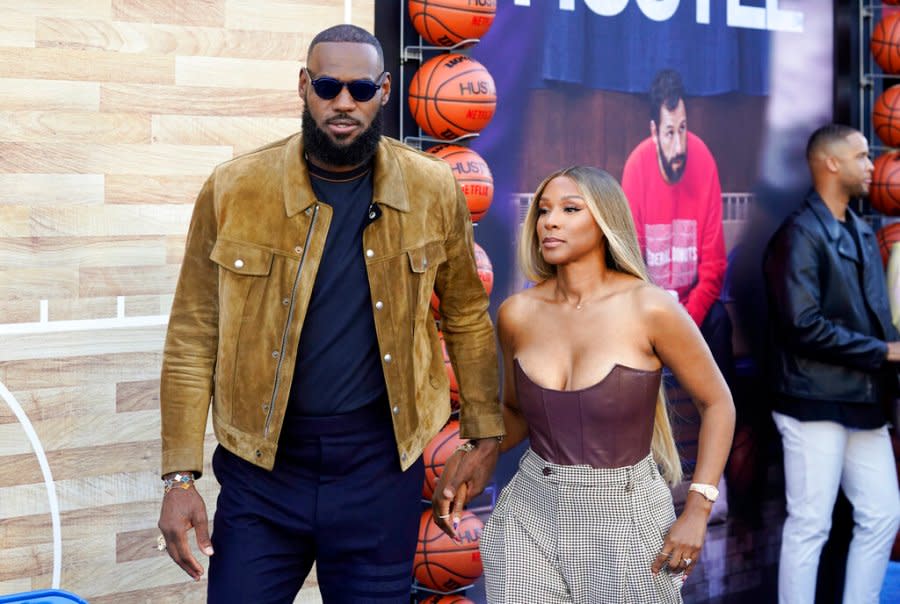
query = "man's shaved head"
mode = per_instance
[{"x": 822, "y": 141}]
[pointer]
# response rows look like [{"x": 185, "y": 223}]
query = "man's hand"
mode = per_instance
[
  {"x": 464, "y": 477},
  {"x": 893, "y": 355},
  {"x": 183, "y": 509}
]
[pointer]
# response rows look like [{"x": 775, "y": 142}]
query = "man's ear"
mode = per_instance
[
  {"x": 302, "y": 83},
  {"x": 386, "y": 89},
  {"x": 653, "y": 133}
]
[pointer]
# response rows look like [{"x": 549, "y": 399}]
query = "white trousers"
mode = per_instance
[{"x": 820, "y": 457}]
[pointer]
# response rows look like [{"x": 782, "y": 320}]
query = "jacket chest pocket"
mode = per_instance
[
  {"x": 243, "y": 274},
  {"x": 423, "y": 264}
]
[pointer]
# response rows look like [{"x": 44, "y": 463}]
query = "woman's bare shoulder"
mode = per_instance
[{"x": 653, "y": 302}]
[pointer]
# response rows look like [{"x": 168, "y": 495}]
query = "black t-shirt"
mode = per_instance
[
  {"x": 338, "y": 366},
  {"x": 852, "y": 415}
]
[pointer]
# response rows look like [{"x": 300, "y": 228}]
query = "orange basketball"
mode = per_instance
[
  {"x": 452, "y": 95},
  {"x": 887, "y": 236},
  {"x": 449, "y": 22},
  {"x": 473, "y": 175},
  {"x": 451, "y": 376},
  {"x": 451, "y": 599},
  {"x": 886, "y": 116},
  {"x": 442, "y": 564},
  {"x": 436, "y": 454},
  {"x": 885, "y": 43},
  {"x": 885, "y": 191},
  {"x": 485, "y": 273}
]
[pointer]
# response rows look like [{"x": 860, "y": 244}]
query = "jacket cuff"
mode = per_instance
[
  {"x": 484, "y": 425},
  {"x": 183, "y": 460}
]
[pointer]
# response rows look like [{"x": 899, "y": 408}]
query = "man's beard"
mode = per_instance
[
  {"x": 673, "y": 174},
  {"x": 318, "y": 144}
]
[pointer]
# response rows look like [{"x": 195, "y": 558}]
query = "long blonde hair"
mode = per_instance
[{"x": 607, "y": 204}]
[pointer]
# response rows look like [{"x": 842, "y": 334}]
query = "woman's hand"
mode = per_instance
[{"x": 683, "y": 543}]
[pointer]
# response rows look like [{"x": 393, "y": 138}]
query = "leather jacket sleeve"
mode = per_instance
[{"x": 792, "y": 269}]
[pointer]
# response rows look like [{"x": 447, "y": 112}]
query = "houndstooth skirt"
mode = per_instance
[{"x": 575, "y": 534}]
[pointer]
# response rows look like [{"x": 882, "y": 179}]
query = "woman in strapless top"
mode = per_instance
[{"x": 588, "y": 517}]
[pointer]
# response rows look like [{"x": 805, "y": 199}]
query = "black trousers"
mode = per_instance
[{"x": 336, "y": 497}]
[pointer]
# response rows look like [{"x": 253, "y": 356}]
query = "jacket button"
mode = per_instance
[
  {"x": 285, "y": 301},
  {"x": 388, "y": 358},
  {"x": 308, "y": 211},
  {"x": 265, "y": 407},
  {"x": 425, "y": 263},
  {"x": 379, "y": 305},
  {"x": 238, "y": 263},
  {"x": 403, "y": 457},
  {"x": 258, "y": 453},
  {"x": 274, "y": 354},
  {"x": 298, "y": 249},
  {"x": 396, "y": 409},
  {"x": 370, "y": 253}
]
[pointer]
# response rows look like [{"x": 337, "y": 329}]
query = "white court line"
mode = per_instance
[
  {"x": 348, "y": 11},
  {"x": 48, "y": 480},
  {"x": 82, "y": 324}
]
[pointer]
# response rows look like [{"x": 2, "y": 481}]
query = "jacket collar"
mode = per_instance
[
  {"x": 831, "y": 225},
  {"x": 389, "y": 187}
]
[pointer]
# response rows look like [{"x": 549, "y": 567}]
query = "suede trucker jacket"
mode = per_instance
[
  {"x": 818, "y": 310},
  {"x": 253, "y": 249}
]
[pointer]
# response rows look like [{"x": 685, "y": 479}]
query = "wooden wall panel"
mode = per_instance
[
  {"x": 185, "y": 12},
  {"x": 249, "y": 74},
  {"x": 194, "y": 100},
  {"x": 241, "y": 133},
  {"x": 74, "y": 127},
  {"x": 156, "y": 189},
  {"x": 19, "y": 94},
  {"x": 160, "y": 39},
  {"x": 99, "y": 66},
  {"x": 26, "y": 190},
  {"x": 75, "y": 9},
  {"x": 112, "y": 115},
  {"x": 17, "y": 29}
]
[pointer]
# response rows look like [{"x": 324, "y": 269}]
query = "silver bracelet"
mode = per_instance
[{"x": 180, "y": 481}]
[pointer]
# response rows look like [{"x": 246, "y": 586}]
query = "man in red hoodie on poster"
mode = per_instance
[{"x": 677, "y": 209}]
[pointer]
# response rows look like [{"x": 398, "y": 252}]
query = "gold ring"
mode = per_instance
[{"x": 161, "y": 543}]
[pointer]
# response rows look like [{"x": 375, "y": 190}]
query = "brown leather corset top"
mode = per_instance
[{"x": 607, "y": 425}]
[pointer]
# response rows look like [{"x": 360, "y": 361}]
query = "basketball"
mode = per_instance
[
  {"x": 451, "y": 599},
  {"x": 473, "y": 175},
  {"x": 886, "y": 116},
  {"x": 451, "y": 377},
  {"x": 442, "y": 564},
  {"x": 887, "y": 236},
  {"x": 452, "y": 95},
  {"x": 885, "y": 43},
  {"x": 485, "y": 269},
  {"x": 436, "y": 454},
  {"x": 485, "y": 273},
  {"x": 885, "y": 191},
  {"x": 449, "y": 22}
]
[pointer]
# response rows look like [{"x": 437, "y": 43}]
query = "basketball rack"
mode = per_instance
[
  {"x": 872, "y": 82},
  {"x": 416, "y": 53}
]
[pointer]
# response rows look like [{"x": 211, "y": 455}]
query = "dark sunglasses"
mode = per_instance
[{"x": 361, "y": 90}]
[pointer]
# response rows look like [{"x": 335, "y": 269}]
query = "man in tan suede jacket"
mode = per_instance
[{"x": 301, "y": 319}]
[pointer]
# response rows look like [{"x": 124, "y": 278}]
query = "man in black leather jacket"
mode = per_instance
[{"x": 833, "y": 356}]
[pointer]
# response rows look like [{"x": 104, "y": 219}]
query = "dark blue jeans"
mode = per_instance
[{"x": 336, "y": 497}]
